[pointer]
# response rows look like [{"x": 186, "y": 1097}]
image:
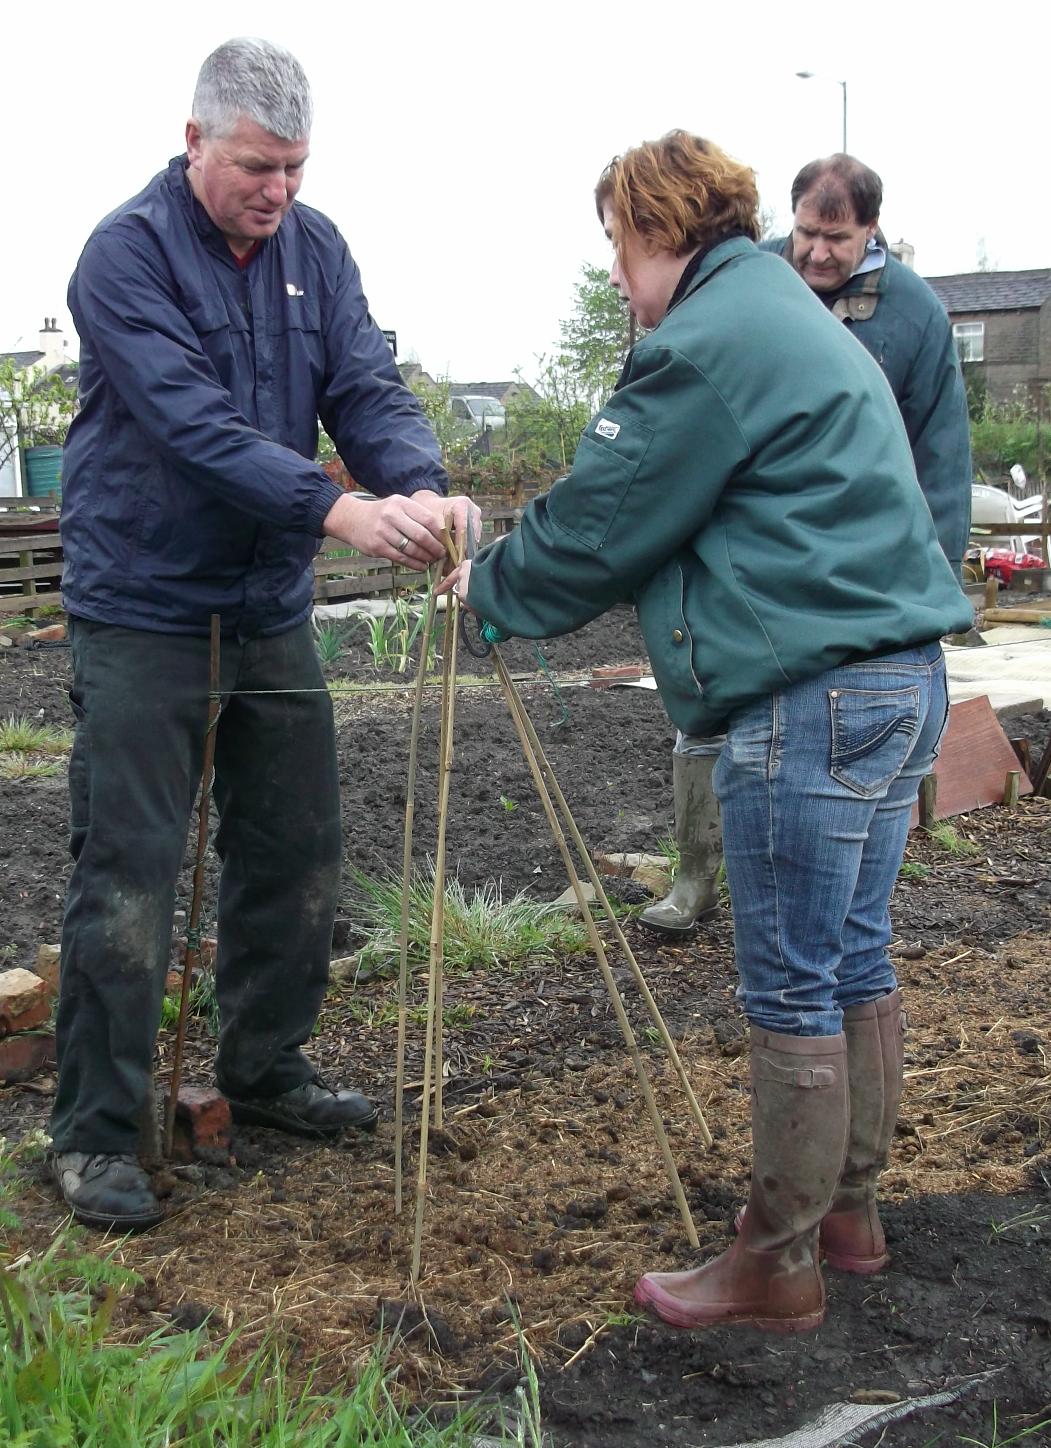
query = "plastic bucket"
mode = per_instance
[{"x": 43, "y": 471}]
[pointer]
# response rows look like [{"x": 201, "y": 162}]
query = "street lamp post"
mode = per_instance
[{"x": 812, "y": 75}]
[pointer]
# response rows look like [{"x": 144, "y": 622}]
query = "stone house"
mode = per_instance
[{"x": 1001, "y": 321}]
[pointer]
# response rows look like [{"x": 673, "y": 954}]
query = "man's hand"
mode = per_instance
[{"x": 404, "y": 530}]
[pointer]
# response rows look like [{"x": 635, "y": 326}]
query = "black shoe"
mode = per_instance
[
  {"x": 312, "y": 1109},
  {"x": 106, "y": 1190}
]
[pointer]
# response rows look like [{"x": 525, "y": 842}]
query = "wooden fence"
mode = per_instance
[{"x": 31, "y": 557}]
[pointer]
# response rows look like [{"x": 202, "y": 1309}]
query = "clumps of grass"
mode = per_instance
[
  {"x": 914, "y": 870},
  {"x": 202, "y": 1003},
  {"x": 28, "y": 750},
  {"x": 948, "y": 838},
  {"x": 482, "y": 929},
  {"x": 997, "y": 1441}
]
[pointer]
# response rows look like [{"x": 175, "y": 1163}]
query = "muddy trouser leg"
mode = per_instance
[
  {"x": 277, "y": 791},
  {"x": 140, "y": 705}
]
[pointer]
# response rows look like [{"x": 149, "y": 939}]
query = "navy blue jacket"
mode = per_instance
[
  {"x": 189, "y": 486},
  {"x": 897, "y": 318}
]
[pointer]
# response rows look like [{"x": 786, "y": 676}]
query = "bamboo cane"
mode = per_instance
[
  {"x": 596, "y": 882},
  {"x": 406, "y": 886},
  {"x": 192, "y": 952},
  {"x": 432, "y": 1070},
  {"x": 517, "y": 711}
]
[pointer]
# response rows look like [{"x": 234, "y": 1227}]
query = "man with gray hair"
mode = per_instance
[
  {"x": 219, "y": 320},
  {"x": 837, "y": 248}
]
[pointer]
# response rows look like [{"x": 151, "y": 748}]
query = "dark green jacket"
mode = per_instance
[
  {"x": 897, "y": 318},
  {"x": 763, "y": 514}
]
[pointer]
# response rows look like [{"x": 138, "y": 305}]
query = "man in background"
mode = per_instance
[{"x": 837, "y": 248}]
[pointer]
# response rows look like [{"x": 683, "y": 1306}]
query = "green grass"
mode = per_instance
[
  {"x": 996, "y": 1441},
  {"x": 914, "y": 870},
  {"x": 948, "y": 838},
  {"x": 28, "y": 750},
  {"x": 67, "y": 1384},
  {"x": 202, "y": 1003},
  {"x": 482, "y": 929},
  {"x": 385, "y": 1013}
]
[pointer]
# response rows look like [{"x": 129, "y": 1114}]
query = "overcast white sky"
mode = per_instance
[{"x": 457, "y": 145}]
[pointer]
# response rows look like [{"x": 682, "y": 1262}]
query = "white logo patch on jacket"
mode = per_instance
[{"x": 605, "y": 428}]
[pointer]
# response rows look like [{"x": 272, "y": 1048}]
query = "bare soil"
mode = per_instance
[{"x": 546, "y": 1192}]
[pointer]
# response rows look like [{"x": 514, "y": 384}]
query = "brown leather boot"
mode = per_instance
[
  {"x": 852, "y": 1237},
  {"x": 770, "y": 1277}
]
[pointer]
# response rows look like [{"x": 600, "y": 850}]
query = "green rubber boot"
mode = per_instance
[{"x": 695, "y": 893}]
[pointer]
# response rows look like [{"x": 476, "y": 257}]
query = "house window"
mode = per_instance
[{"x": 970, "y": 340}]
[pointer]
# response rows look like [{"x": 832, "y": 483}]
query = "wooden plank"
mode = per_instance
[
  {"x": 33, "y": 570},
  {"x": 1018, "y": 615},
  {"x": 16, "y": 603},
  {"x": 35, "y": 542},
  {"x": 975, "y": 759}
]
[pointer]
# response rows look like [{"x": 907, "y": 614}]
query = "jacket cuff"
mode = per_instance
[
  {"x": 424, "y": 484},
  {"x": 327, "y": 496}
]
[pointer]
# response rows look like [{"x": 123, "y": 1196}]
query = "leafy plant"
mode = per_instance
[
  {"x": 1005, "y": 433},
  {"x": 482, "y": 929},
  {"x": 330, "y": 639},
  {"x": 914, "y": 870},
  {"x": 508, "y": 805},
  {"x": 393, "y": 635}
]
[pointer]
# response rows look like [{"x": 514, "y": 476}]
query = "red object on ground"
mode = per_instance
[
  {"x": 202, "y": 1124},
  {"x": 1004, "y": 563},
  {"x": 21, "y": 1057}
]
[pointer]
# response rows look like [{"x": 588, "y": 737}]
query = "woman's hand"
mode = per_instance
[{"x": 458, "y": 582}]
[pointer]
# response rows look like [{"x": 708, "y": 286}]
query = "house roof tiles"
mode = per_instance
[{"x": 992, "y": 291}]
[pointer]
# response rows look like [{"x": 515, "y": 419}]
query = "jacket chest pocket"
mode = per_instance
[
  {"x": 222, "y": 333},
  {"x": 295, "y": 338}
]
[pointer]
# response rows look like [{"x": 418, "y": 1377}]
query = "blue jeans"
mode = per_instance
[{"x": 816, "y": 784}]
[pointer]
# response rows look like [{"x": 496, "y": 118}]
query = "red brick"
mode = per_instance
[
  {"x": 23, "y": 1056},
  {"x": 202, "y": 1124},
  {"x": 607, "y": 674},
  {"x": 25, "y": 1001}
]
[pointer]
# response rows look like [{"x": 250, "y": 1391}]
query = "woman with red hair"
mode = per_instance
[{"x": 743, "y": 487}]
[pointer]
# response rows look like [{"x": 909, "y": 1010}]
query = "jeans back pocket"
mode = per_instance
[{"x": 873, "y": 732}]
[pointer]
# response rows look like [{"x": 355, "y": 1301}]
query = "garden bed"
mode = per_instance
[{"x": 547, "y": 1194}]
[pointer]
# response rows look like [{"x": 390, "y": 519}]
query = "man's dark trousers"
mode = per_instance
[{"x": 140, "y": 702}]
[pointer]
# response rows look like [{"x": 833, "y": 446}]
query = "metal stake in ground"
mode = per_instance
[
  {"x": 517, "y": 710},
  {"x": 193, "y": 931}
]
